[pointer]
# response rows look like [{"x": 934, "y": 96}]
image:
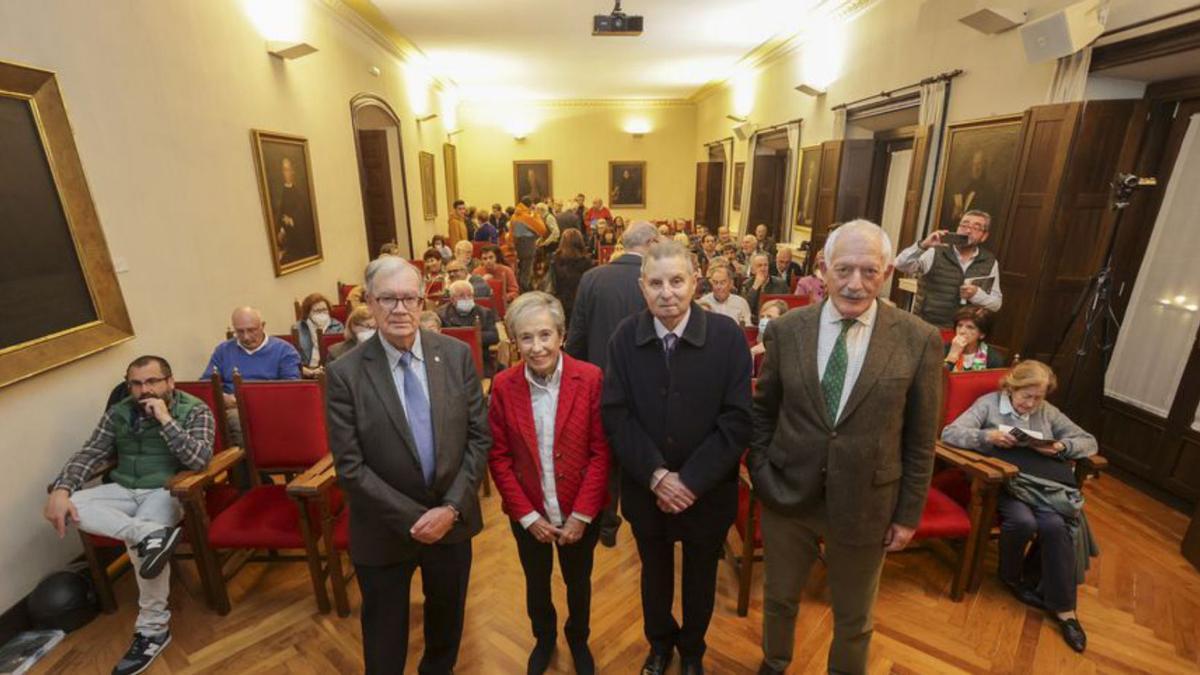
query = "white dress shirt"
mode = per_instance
[
  {"x": 417, "y": 367},
  {"x": 252, "y": 352},
  {"x": 913, "y": 260},
  {"x": 858, "y": 337},
  {"x": 543, "y": 393},
  {"x": 734, "y": 307}
]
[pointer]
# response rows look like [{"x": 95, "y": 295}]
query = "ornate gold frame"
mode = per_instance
[
  {"x": 953, "y": 131},
  {"x": 257, "y": 136},
  {"x": 112, "y": 325},
  {"x": 611, "y": 199}
]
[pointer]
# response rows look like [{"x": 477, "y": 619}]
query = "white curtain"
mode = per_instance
[
  {"x": 931, "y": 115},
  {"x": 1161, "y": 321},
  {"x": 747, "y": 181},
  {"x": 1070, "y": 77},
  {"x": 790, "y": 194}
]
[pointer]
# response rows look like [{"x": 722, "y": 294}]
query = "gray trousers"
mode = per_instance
[
  {"x": 526, "y": 252},
  {"x": 790, "y": 547},
  {"x": 111, "y": 510}
]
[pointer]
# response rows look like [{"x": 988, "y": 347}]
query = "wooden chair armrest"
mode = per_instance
[
  {"x": 973, "y": 464},
  {"x": 1094, "y": 464},
  {"x": 316, "y": 480},
  {"x": 187, "y": 484}
]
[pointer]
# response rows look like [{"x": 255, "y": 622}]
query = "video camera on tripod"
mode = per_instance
[{"x": 1124, "y": 185}]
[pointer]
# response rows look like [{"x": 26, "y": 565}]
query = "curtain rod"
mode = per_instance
[
  {"x": 773, "y": 127},
  {"x": 719, "y": 141},
  {"x": 943, "y": 77}
]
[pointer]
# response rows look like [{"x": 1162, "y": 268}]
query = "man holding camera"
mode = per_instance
[{"x": 953, "y": 270}]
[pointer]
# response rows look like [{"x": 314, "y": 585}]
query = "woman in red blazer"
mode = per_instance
[{"x": 549, "y": 461}]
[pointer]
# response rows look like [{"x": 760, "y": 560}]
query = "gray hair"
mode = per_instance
[
  {"x": 638, "y": 236},
  {"x": 861, "y": 226},
  {"x": 531, "y": 303},
  {"x": 987, "y": 217},
  {"x": 760, "y": 254},
  {"x": 455, "y": 286},
  {"x": 386, "y": 266},
  {"x": 666, "y": 250}
]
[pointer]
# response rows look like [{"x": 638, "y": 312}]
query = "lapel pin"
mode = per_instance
[{"x": 437, "y": 359}]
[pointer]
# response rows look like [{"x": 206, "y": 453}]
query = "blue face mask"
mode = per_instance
[
  {"x": 464, "y": 306},
  {"x": 762, "y": 325}
]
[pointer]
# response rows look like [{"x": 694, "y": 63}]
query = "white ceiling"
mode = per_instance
[{"x": 544, "y": 49}]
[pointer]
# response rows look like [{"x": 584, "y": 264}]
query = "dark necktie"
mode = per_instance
[
  {"x": 416, "y": 407},
  {"x": 835, "y": 372},
  {"x": 668, "y": 342}
]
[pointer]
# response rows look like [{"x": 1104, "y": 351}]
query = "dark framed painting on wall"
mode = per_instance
[
  {"x": 739, "y": 175},
  {"x": 59, "y": 294},
  {"x": 977, "y": 170},
  {"x": 810, "y": 170},
  {"x": 627, "y": 184},
  {"x": 533, "y": 179},
  {"x": 450, "y": 160},
  {"x": 285, "y": 180},
  {"x": 428, "y": 185}
]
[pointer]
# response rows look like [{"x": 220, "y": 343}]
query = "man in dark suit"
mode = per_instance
[
  {"x": 845, "y": 417},
  {"x": 784, "y": 268},
  {"x": 410, "y": 437},
  {"x": 607, "y": 294},
  {"x": 676, "y": 407}
]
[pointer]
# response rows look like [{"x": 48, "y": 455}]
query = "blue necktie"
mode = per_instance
[
  {"x": 669, "y": 341},
  {"x": 416, "y": 407}
]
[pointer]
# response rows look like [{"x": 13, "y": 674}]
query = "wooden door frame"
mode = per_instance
[{"x": 357, "y": 103}]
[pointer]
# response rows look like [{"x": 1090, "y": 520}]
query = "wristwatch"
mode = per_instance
[{"x": 455, "y": 511}]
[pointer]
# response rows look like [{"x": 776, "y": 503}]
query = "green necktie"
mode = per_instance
[{"x": 835, "y": 372}]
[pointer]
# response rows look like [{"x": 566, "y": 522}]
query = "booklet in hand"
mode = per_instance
[{"x": 983, "y": 283}]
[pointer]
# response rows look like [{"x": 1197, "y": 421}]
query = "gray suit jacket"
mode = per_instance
[
  {"x": 871, "y": 469},
  {"x": 376, "y": 456}
]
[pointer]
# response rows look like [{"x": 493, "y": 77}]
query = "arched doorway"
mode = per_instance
[{"x": 381, "y": 174}]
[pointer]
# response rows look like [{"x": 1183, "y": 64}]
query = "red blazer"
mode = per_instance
[{"x": 581, "y": 453}]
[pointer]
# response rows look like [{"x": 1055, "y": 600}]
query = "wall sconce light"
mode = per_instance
[
  {"x": 736, "y": 118},
  {"x": 288, "y": 50},
  {"x": 426, "y": 118},
  {"x": 809, "y": 89},
  {"x": 1179, "y": 302},
  {"x": 451, "y": 133},
  {"x": 637, "y": 127},
  {"x": 519, "y": 137}
]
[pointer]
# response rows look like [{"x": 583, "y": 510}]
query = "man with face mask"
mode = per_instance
[
  {"x": 460, "y": 310},
  {"x": 152, "y": 434}
]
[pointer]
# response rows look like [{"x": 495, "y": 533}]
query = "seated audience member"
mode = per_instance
[
  {"x": 618, "y": 226},
  {"x": 354, "y": 299},
  {"x": 949, "y": 277},
  {"x": 152, "y": 434},
  {"x": 761, "y": 282},
  {"x": 361, "y": 328},
  {"x": 553, "y": 493},
  {"x": 765, "y": 243},
  {"x": 722, "y": 298},
  {"x": 618, "y": 251},
  {"x": 491, "y": 268},
  {"x": 813, "y": 285},
  {"x": 461, "y": 311},
  {"x": 463, "y": 252},
  {"x": 664, "y": 232},
  {"x": 438, "y": 243},
  {"x": 434, "y": 278},
  {"x": 785, "y": 268},
  {"x": 430, "y": 321},
  {"x": 748, "y": 249},
  {"x": 570, "y": 263},
  {"x": 455, "y": 271},
  {"x": 1018, "y": 425},
  {"x": 708, "y": 251},
  {"x": 723, "y": 237},
  {"x": 598, "y": 212},
  {"x": 968, "y": 351},
  {"x": 683, "y": 240},
  {"x": 390, "y": 248},
  {"x": 314, "y": 312},
  {"x": 542, "y": 278},
  {"x": 703, "y": 287},
  {"x": 256, "y": 355},
  {"x": 771, "y": 310}
]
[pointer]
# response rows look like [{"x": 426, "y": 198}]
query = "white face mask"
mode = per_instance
[
  {"x": 364, "y": 334},
  {"x": 464, "y": 306},
  {"x": 762, "y": 325},
  {"x": 320, "y": 319}
]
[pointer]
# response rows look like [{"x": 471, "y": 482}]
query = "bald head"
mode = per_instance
[{"x": 248, "y": 327}]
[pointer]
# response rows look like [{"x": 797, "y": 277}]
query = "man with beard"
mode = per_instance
[
  {"x": 152, "y": 434},
  {"x": 295, "y": 231},
  {"x": 953, "y": 276}
]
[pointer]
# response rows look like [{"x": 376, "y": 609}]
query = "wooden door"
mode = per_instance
[
  {"x": 827, "y": 189},
  {"x": 769, "y": 180},
  {"x": 710, "y": 184},
  {"x": 910, "y": 225},
  {"x": 375, "y": 177},
  {"x": 854, "y": 184}
]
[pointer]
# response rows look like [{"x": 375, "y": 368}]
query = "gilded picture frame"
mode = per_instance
[
  {"x": 979, "y": 163},
  {"x": 627, "y": 185},
  {"x": 285, "y": 182},
  {"x": 533, "y": 179},
  {"x": 450, "y": 162},
  {"x": 428, "y": 184},
  {"x": 59, "y": 292}
]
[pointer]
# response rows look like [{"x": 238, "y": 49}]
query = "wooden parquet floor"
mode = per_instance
[{"x": 1140, "y": 606}]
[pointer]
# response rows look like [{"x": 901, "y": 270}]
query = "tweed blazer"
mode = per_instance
[{"x": 870, "y": 469}]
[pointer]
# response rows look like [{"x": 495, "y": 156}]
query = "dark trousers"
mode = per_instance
[
  {"x": 526, "y": 251},
  {"x": 445, "y": 572},
  {"x": 699, "y": 588},
  {"x": 575, "y": 561},
  {"x": 610, "y": 519},
  {"x": 1019, "y": 522}
]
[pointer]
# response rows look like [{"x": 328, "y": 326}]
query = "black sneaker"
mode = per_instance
[
  {"x": 142, "y": 652},
  {"x": 156, "y": 549}
]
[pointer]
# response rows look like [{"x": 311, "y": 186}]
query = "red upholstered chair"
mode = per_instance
[
  {"x": 747, "y": 549},
  {"x": 471, "y": 335},
  {"x": 477, "y": 248},
  {"x": 318, "y": 486},
  {"x": 499, "y": 301},
  {"x": 792, "y": 301},
  {"x": 343, "y": 291},
  {"x": 751, "y": 335},
  {"x": 419, "y": 264},
  {"x": 604, "y": 254},
  {"x": 283, "y": 425},
  {"x": 328, "y": 340},
  {"x": 947, "y": 335},
  {"x": 340, "y": 312}
]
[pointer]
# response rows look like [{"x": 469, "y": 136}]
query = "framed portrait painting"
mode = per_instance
[
  {"x": 533, "y": 179},
  {"x": 450, "y": 162},
  {"x": 59, "y": 294},
  {"x": 810, "y": 170},
  {"x": 977, "y": 171},
  {"x": 289, "y": 201},
  {"x": 428, "y": 185},
  {"x": 627, "y": 184},
  {"x": 739, "y": 176}
]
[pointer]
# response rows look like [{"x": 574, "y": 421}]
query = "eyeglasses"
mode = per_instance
[
  {"x": 148, "y": 382},
  {"x": 410, "y": 302},
  {"x": 974, "y": 227}
]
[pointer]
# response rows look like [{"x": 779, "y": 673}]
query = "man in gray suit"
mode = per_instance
[
  {"x": 410, "y": 437},
  {"x": 845, "y": 420}
]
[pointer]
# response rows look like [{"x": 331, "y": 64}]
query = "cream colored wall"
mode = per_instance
[
  {"x": 162, "y": 96},
  {"x": 581, "y": 140}
]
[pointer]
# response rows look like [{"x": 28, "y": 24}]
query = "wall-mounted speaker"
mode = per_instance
[
  {"x": 1065, "y": 31},
  {"x": 743, "y": 130}
]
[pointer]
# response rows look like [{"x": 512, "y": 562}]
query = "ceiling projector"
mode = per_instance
[{"x": 617, "y": 23}]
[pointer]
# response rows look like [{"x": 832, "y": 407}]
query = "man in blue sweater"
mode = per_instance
[{"x": 255, "y": 355}]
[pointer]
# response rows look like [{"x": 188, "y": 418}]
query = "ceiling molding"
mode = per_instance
[
  {"x": 618, "y": 103},
  {"x": 367, "y": 19}
]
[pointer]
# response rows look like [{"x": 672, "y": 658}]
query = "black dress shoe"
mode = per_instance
[
  {"x": 1025, "y": 594},
  {"x": 608, "y": 538},
  {"x": 765, "y": 669},
  {"x": 582, "y": 656},
  {"x": 656, "y": 663},
  {"x": 1073, "y": 634},
  {"x": 539, "y": 658},
  {"x": 693, "y": 668}
]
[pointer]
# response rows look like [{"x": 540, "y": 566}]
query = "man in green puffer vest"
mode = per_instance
[
  {"x": 953, "y": 276},
  {"x": 153, "y": 434}
]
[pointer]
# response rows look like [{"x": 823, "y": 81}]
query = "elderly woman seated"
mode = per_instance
[
  {"x": 968, "y": 351},
  {"x": 552, "y": 491},
  {"x": 314, "y": 318},
  {"x": 771, "y": 310},
  {"x": 430, "y": 321},
  {"x": 1017, "y": 425},
  {"x": 362, "y": 328},
  {"x": 460, "y": 310}
]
